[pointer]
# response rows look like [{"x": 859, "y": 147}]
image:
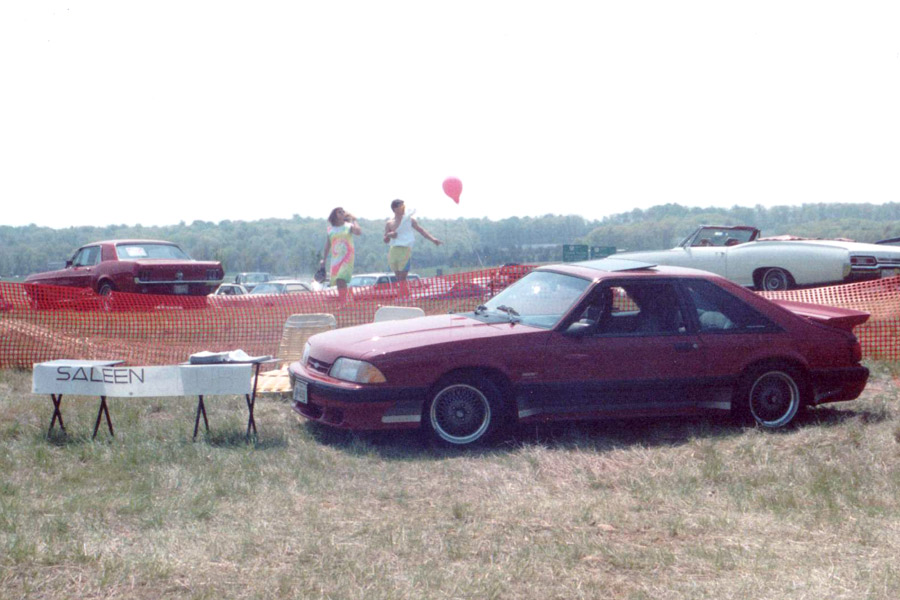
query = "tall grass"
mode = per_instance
[{"x": 692, "y": 508}]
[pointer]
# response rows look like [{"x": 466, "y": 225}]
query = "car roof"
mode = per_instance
[
  {"x": 729, "y": 227},
  {"x": 130, "y": 241},
  {"x": 620, "y": 267},
  {"x": 285, "y": 281}
]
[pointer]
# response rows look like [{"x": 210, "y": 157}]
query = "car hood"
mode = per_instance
[
  {"x": 855, "y": 247},
  {"x": 34, "y": 277},
  {"x": 878, "y": 250},
  {"x": 377, "y": 339}
]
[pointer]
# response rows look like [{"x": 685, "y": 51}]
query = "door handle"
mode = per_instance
[{"x": 686, "y": 346}]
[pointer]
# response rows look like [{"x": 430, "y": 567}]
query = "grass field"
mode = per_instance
[{"x": 692, "y": 508}]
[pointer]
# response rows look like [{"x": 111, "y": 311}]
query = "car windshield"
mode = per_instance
[
  {"x": 540, "y": 299},
  {"x": 717, "y": 236},
  {"x": 155, "y": 251},
  {"x": 268, "y": 288},
  {"x": 255, "y": 277},
  {"x": 360, "y": 280}
]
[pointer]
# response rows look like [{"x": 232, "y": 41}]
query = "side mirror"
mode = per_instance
[
  {"x": 581, "y": 328},
  {"x": 68, "y": 264}
]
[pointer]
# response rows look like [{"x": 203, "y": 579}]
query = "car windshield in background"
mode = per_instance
[
  {"x": 144, "y": 251},
  {"x": 268, "y": 288},
  {"x": 539, "y": 299},
  {"x": 361, "y": 281},
  {"x": 715, "y": 236}
]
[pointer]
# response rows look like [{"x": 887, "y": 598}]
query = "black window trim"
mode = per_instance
[
  {"x": 772, "y": 326},
  {"x": 688, "y": 310}
]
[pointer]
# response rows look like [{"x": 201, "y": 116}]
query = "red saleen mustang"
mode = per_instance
[
  {"x": 135, "y": 266},
  {"x": 605, "y": 338}
]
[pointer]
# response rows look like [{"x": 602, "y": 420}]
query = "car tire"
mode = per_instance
[
  {"x": 463, "y": 411},
  {"x": 35, "y": 301},
  {"x": 775, "y": 280},
  {"x": 106, "y": 289},
  {"x": 770, "y": 396}
]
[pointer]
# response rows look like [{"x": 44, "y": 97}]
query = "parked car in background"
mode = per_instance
[
  {"x": 134, "y": 266},
  {"x": 381, "y": 286},
  {"x": 890, "y": 241},
  {"x": 739, "y": 254},
  {"x": 507, "y": 274},
  {"x": 231, "y": 289},
  {"x": 366, "y": 279},
  {"x": 282, "y": 286},
  {"x": 605, "y": 338},
  {"x": 443, "y": 288},
  {"x": 251, "y": 279}
]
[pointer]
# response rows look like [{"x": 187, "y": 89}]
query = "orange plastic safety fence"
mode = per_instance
[
  {"x": 40, "y": 323},
  {"x": 880, "y": 335}
]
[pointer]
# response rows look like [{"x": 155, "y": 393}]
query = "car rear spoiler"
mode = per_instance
[{"x": 833, "y": 316}]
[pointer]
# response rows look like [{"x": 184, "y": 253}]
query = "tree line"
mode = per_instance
[{"x": 293, "y": 246}]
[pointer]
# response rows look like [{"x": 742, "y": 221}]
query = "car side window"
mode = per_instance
[
  {"x": 87, "y": 257},
  {"x": 645, "y": 308},
  {"x": 719, "y": 311}
]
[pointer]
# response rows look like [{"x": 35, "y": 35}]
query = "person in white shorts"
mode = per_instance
[{"x": 398, "y": 232}]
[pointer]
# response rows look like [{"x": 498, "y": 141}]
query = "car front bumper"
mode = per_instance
[
  {"x": 355, "y": 406},
  {"x": 837, "y": 385}
]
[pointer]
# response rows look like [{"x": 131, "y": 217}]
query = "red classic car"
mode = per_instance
[
  {"x": 605, "y": 338},
  {"x": 136, "y": 266}
]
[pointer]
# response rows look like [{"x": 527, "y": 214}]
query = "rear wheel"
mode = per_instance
[
  {"x": 105, "y": 291},
  {"x": 775, "y": 280},
  {"x": 770, "y": 396},
  {"x": 463, "y": 411}
]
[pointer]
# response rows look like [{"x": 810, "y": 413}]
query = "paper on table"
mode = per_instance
[{"x": 234, "y": 356}]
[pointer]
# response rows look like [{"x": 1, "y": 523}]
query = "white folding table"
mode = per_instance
[{"x": 111, "y": 378}]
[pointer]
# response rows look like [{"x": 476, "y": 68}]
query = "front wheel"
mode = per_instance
[
  {"x": 771, "y": 396},
  {"x": 463, "y": 411},
  {"x": 775, "y": 280}
]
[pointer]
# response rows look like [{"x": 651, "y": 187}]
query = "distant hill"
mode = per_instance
[{"x": 293, "y": 246}]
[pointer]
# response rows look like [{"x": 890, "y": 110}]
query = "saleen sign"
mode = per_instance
[
  {"x": 91, "y": 379},
  {"x": 117, "y": 375}
]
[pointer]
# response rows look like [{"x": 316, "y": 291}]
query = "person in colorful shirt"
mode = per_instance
[
  {"x": 398, "y": 232},
  {"x": 342, "y": 226}
]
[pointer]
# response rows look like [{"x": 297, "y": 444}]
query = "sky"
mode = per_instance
[{"x": 159, "y": 112}]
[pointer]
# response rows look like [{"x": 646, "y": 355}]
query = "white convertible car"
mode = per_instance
[{"x": 738, "y": 254}]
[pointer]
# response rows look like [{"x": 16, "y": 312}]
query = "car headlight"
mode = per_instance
[
  {"x": 305, "y": 356},
  {"x": 357, "y": 371}
]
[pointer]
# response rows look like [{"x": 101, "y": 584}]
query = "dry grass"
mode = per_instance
[{"x": 693, "y": 508}]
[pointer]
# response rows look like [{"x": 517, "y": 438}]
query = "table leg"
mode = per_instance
[
  {"x": 104, "y": 410},
  {"x": 57, "y": 399},
  {"x": 201, "y": 410},
  {"x": 251, "y": 403},
  {"x": 251, "y": 422}
]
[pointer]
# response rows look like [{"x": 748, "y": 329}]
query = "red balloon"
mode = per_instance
[{"x": 453, "y": 188}]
